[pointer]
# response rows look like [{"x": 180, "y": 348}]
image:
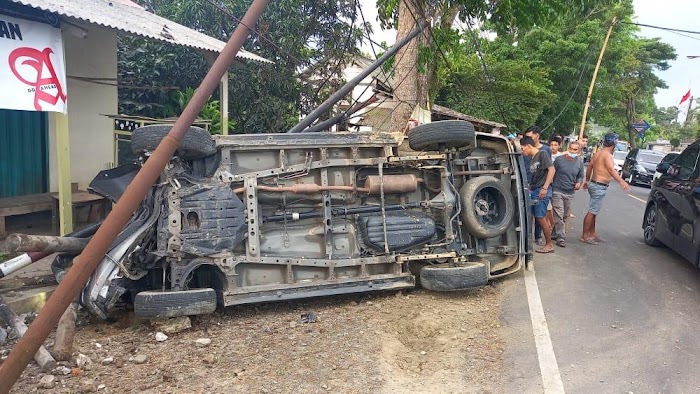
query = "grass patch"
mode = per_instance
[{"x": 4, "y": 256}]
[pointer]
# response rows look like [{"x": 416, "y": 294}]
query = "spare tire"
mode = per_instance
[
  {"x": 443, "y": 277},
  {"x": 446, "y": 133},
  {"x": 196, "y": 144},
  {"x": 487, "y": 207}
]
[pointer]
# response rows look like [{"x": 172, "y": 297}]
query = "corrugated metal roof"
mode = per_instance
[{"x": 134, "y": 20}]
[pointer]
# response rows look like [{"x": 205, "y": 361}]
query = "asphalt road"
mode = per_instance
[{"x": 622, "y": 316}]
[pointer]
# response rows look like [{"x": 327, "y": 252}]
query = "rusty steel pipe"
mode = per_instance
[
  {"x": 502, "y": 171},
  {"x": 44, "y": 243},
  {"x": 85, "y": 264}
]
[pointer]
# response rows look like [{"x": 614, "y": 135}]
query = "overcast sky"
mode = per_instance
[{"x": 684, "y": 73}]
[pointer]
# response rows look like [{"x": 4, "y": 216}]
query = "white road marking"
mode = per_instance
[
  {"x": 551, "y": 379},
  {"x": 637, "y": 198}
]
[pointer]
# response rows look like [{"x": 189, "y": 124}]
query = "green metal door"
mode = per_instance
[{"x": 24, "y": 153}]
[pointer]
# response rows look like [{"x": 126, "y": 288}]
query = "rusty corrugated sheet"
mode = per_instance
[{"x": 134, "y": 20}]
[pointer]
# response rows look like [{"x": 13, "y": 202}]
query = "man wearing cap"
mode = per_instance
[{"x": 600, "y": 172}]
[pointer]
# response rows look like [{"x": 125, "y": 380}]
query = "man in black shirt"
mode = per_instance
[{"x": 542, "y": 174}]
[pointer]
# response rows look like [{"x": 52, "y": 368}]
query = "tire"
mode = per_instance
[
  {"x": 159, "y": 304},
  {"x": 196, "y": 144},
  {"x": 447, "y": 133},
  {"x": 487, "y": 207},
  {"x": 650, "y": 226},
  {"x": 442, "y": 277}
]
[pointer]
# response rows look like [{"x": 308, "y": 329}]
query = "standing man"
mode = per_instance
[
  {"x": 567, "y": 179},
  {"x": 535, "y": 132},
  {"x": 542, "y": 172},
  {"x": 600, "y": 171}
]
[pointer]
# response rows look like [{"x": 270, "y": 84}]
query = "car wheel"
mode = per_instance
[
  {"x": 444, "y": 134},
  {"x": 443, "y": 277},
  {"x": 196, "y": 144},
  {"x": 487, "y": 207},
  {"x": 162, "y": 304},
  {"x": 650, "y": 226}
]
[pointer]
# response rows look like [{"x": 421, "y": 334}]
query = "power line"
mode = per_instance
[
  {"x": 661, "y": 27},
  {"x": 345, "y": 50},
  {"x": 578, "y": 83},
  {"x": 489, "y": 76},
  {"x": 252, "y": 29},
  {"x": 387, "y": 75}
]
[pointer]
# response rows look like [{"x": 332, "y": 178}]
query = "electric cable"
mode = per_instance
[
  {"x": 660, "y": 27},
  {"x": 578, "y": 83},
  {"x": 345, "y": 50},
  {"x": 252, "y": 29}
]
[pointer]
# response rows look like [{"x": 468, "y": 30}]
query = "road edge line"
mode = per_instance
[
  {"x": 637, "y": 198},
  {"x": 549, "y": 369}
]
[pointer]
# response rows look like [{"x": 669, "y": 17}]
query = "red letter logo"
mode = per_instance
[{"x": 37, "y": 60}]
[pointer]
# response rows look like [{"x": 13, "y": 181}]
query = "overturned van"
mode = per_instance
[{"x": 255, "y": 218}]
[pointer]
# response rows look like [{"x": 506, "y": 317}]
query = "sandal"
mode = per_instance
[
  {"x": 561, "y": 243},
  {"x": 545, "y": 250},
  {"x": 589, "y": 241},
  {"x": 540, "y": 242}
]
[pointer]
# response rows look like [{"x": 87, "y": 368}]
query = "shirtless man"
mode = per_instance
[{"x": 600, "y": 171}]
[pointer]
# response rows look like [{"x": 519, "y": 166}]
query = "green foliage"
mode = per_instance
[
  {"x": 542, "y": 62},
  {"x": 307, "y": 35},
  {"x": 675, "y": 141},
  {"x": 519, "y": 91}
]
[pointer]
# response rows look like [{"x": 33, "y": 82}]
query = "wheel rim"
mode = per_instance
[
  {"x": 488, "y": 207},
  {"x": 630, "y": 178},
  {"x": 650, "y": 224}
]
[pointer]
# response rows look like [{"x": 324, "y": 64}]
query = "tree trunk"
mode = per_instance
[{"x": 406, "y": 92}]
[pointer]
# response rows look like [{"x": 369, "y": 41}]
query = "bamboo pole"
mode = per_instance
[
  {"x": 595, "y": 74},
  {"x": 65, "y": 199}
]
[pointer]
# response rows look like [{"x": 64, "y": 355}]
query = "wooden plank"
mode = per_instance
[
  {"x": 80, "y": 197},
  {"x": 10, "y": 206}
]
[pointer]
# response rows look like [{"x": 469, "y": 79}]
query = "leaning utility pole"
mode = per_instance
[
  {"x": 84, "y": 265},
  {"x": 595, "y": 74}
]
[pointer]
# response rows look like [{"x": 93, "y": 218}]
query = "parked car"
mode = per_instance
[
  {"x": 665, "y": 164},
  {"x": 672, "y": 214},
  {"x": 618, "y": 160},
  {"x": 640, "y": 165},
  {"x": 266, "y": 217},
  {"x": 623, "y": 146}
]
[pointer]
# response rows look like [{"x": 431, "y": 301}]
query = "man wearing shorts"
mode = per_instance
[
  {"x": 542, "y": 174},
  {"x": 535, "y": 132},
  {"x": 600, "y": 171}
]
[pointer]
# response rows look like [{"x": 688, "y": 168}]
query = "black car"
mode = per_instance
[
  {"x": 640, "y": 165},
  {"x": 673, "y": 210}
]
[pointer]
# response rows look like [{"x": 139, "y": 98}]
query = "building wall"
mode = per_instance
[
  {"x": 362, "y": 92},
  {"x": 91, "y": 138}
]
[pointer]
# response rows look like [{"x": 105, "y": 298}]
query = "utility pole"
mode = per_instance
[{"x": 595, "y": 74}]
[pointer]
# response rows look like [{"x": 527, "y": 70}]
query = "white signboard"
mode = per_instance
[{"x": 32, "y": 66}]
